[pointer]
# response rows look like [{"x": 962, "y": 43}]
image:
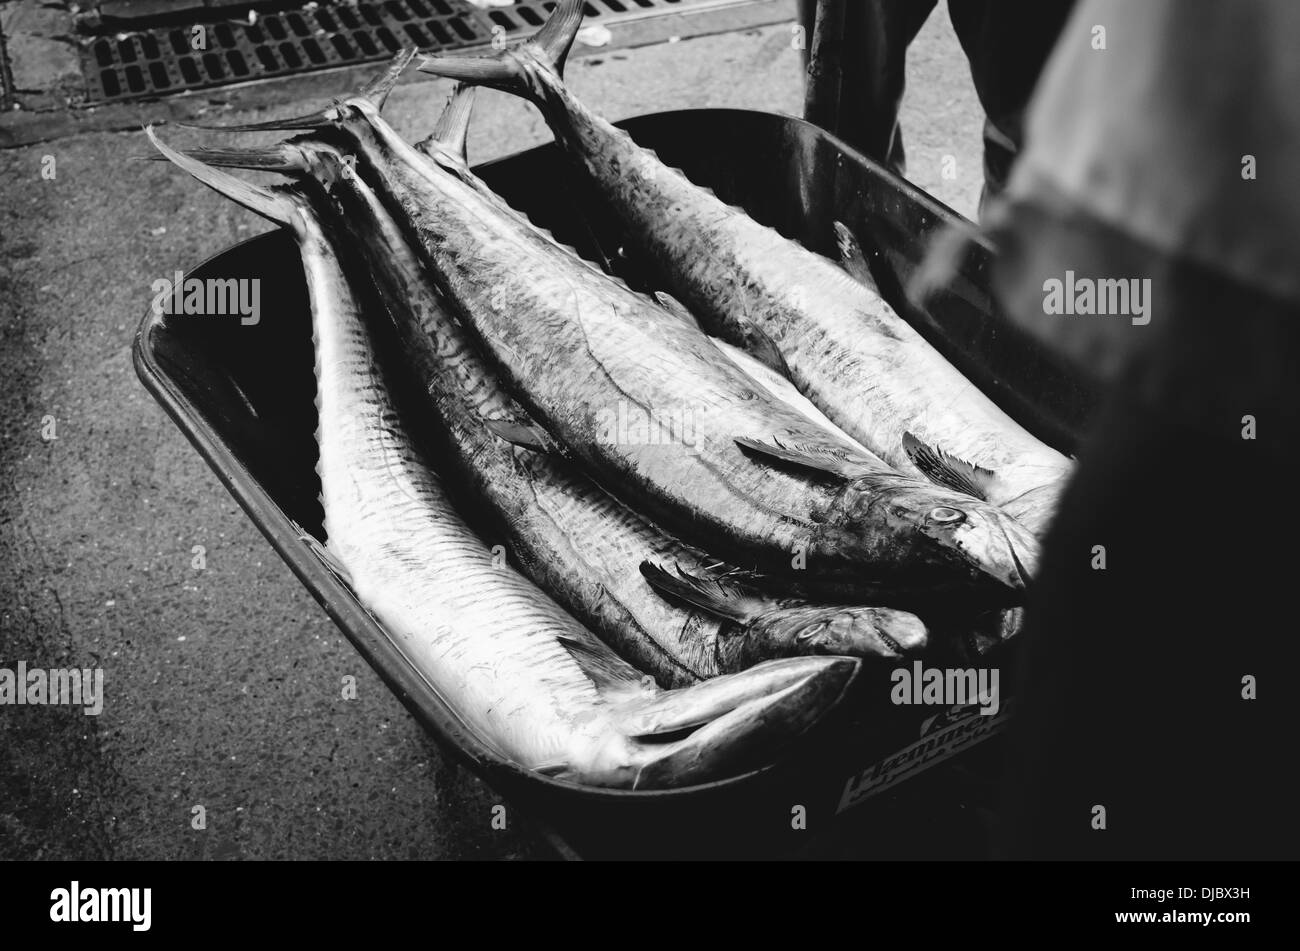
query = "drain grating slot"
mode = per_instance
[{"x": 160, "y": 61}]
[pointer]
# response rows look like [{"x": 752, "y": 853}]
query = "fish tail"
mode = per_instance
[
  {"x": 738, "y": 721},
  {"x": 555, "y": 39},
  {"x": 451, "y": 133},
  {"x": 375, "y": 92},
  {"x": 507, "y": 70},
  {"x": 498, "y": 71},
  {"x": 275, "y": 206},
  {"x": 313, "y": 161},
  {"x": 281, "y": 157}
]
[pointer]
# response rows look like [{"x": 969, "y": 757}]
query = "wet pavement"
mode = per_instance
[{"x": 120, "y": 549}]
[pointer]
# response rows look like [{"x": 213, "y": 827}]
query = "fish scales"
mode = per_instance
[
  {"x": 519, "y": 671},
  {"x": 844, "y": 347},
  {"x": 590, "y": 346},
  {"x": 574, "y": 343},
  {"x": 572, "y": 538},
  {"x": 847, "y": 350},
  {"x": 642, "y": 359}
]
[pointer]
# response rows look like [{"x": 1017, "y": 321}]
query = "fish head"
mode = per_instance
[
  {"x": 756, "y": 715},
  {"x": 1035, "y": 508},
  {"x": 845, "y": 630},
  {"x": 947, "y": 533},
  {"x": 711, "y": 730},
  {"x": 886, "y": 632}
]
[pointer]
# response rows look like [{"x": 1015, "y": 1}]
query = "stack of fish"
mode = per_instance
[{"x": 686, "y": 606}]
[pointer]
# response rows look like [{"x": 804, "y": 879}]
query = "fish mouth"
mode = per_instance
[
  {"x": 902, "y": 632},
  {"x": 1001, "y": 549},
  {"x": 886, "y": 633},
  {"x": 1023, "y": 549},
  {"x": 745, "y": 720}
]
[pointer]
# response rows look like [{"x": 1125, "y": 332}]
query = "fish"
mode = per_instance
[
  {"x": 649, "y": 408},
  {"x": 842, "y": 345},
  {"x": 573, "y": 539},
  {"x": 785, "y": 625},
  {"x": 524, "y": 676}
]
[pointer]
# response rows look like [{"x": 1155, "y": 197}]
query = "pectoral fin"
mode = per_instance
[
  {"x": 759, "y": 345},
  {"x": 522, "y": 435},
  {"x": 717, "y": 597},
  {"x": 948, "y": 471},
  {"x": 328, "y": 557},
  {"x": 834, "y": 462}
]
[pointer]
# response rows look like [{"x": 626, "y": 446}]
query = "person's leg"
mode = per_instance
[
  {"x": 1007, "y": 43},
  {"x": 876, "y": 36},
  {"x": 1160, "y": 638}
]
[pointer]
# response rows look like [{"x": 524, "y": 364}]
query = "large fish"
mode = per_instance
[
  {"x": 572, "y": 538},
  {"x": 531, "y": 681},
  {"x": 844, "y": 347},
  {"x": 646, "y": 404}
]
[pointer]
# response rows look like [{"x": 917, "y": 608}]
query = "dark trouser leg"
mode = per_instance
[
  {"x": 876, "y": 37},
  {"x": 1007, "y": 43},
  {"x": 1133, "y": 684}
]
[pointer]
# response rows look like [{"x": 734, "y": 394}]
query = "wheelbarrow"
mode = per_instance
[{"x": 876, "y": 780}]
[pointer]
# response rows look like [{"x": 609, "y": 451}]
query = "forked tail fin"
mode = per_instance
[
  {"x": 283, "y": 157},
  {"x": 270, "y": 204},
  {"x": 375, "y": 92},
  {"x": 450, "y": 135},
  {"x": 506, "y": 69}
]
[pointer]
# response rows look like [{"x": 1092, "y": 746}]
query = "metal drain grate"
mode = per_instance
[{"x": 161, "y": 61}]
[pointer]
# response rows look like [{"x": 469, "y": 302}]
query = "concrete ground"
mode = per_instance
[{"x": 223, "y": 683}]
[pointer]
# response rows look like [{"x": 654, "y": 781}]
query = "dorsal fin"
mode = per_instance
[
  {"x": 674, "y": 307},
  {"x": 523, "y": 435},
  {"x": 836, "y": 462}
]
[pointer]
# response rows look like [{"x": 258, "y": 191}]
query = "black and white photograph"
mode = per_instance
[{"x": 644, "y": 430}]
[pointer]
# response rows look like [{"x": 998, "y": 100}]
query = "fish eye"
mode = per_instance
[{"x": 946, "y": 516}]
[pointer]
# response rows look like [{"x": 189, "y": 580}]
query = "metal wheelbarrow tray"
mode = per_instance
[{"x": 244, "y": 395}]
